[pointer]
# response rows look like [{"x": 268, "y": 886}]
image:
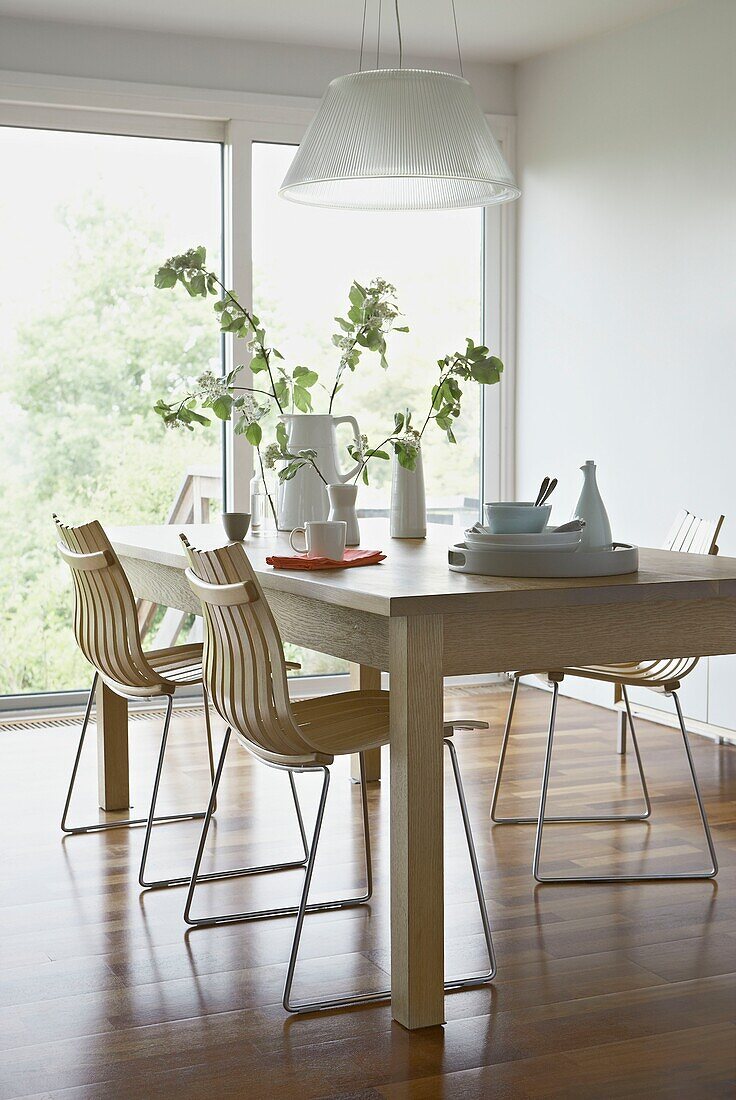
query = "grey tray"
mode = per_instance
[{"x": 622, "y": 558}]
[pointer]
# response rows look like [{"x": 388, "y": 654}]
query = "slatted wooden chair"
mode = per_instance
[
  {"x": 246, "y": 678},
  {"x": 106, "y": 629},
  {"x": 690, "y": 535}
]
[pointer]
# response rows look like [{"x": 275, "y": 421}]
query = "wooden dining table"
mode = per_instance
[{"x": 414, "y": 618}]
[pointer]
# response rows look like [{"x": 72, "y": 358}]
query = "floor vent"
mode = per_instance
[{"x": 67, "y": 721}]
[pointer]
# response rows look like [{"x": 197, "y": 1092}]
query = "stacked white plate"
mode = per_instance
[
  {"x": 480, "y": 538},
  {"x": 547, "y": 554}
]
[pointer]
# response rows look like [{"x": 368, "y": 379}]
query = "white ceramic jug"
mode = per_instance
[
  {"x": 305, "y": 496},
  {"x": 590, "y": 507}
]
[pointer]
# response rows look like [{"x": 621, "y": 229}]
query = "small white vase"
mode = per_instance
[
  {"x": 408, "y": 501},
  {"x": 596, "y": 534},
  {"x": 342, "y": 507}
]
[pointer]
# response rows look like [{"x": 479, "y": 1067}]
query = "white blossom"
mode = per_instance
[
  {"x": 211, "y": 386},
  {"x": 271, "y": 455}
]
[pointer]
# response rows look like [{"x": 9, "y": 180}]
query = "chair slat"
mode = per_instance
[
  {"x": 105, "y": 619},
  {"x": 690, "y": 535},
  {"x": 244, "y": 658}
]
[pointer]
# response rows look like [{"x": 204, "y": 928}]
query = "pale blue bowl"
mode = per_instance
[{"x": 516, "y": 517}]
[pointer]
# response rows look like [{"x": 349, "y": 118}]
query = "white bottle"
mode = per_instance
[
  {"x": 597, "y": 531},
  {"x": 258, "y": 504}
]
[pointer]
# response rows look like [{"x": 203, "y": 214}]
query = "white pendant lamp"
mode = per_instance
[{"x": 399, "y": 139}]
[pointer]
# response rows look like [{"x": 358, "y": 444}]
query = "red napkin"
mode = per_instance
[{"x": 352, "y": 558}]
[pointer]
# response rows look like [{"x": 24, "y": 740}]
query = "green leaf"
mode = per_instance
[
  {"x": 496, "y": 362},
  {"x": 188, "y": 415},
  {"x": 356, "y": 295},
  {"x": 165, "y": 277},
  {"x": 344, "y": 325},
  {"x": 305, "y": 376},
  {"x": 258, "y": 363},
  {"x": 406, "y": 459},
  {"x": 485, "y": 373},
  {"x": 222, "y": 406},
  {"x": 282, "y": 436},
  {"x": 365, "y": 475},
  {"x": 401, "y": 328},
  {"x": 200, "y": 255},
  {"x": 254, "y": 434},
  {"x": 198, "y": 286},
  {"x": 398, "y": 421},
  {"x": 302, "y": 399},
  {"x": 290, "y": 471}
]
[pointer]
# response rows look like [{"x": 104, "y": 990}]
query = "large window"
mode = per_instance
[
  {"x": 304, "y": 260},
  {"x": 86, "y": 344}
]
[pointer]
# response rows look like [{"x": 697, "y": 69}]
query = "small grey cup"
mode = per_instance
[{"x": 236, "y": 525}]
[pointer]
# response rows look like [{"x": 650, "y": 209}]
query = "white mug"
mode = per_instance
[{"x": 322, "y": 539}]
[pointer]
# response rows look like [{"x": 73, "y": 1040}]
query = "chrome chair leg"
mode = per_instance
[
  {"x": 285, "y": 910},
  {"x": 99, "y": 827},
  {"x": 185, "y": 880},
  {"x": 573, "y": 819},
  {"x": 542, "y": 820},
  {"x": 489, "y": 975},
  {"x": 384, "y": 994}
]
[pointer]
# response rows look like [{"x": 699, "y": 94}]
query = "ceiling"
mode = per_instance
[{"x": 499, "y": 30}]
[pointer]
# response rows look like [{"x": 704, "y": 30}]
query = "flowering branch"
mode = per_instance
[
  {"x": 371, "y": 317},
  {"x": 474, "y": 364}
]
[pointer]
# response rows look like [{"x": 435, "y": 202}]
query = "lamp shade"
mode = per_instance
[{"x": 399, "y": 139}]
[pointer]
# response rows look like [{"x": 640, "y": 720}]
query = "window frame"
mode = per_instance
[{"x": 237, "y": 121}]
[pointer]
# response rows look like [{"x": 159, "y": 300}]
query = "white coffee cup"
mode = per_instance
[{"x": 322, "y": 539}]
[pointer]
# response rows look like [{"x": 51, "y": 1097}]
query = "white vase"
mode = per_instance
[
  {"x": 342, "y": 507},
  {"x": 408, "y": 501},
  {"x": 596, "y": 534},
  {"x": 305, "y": 498}
]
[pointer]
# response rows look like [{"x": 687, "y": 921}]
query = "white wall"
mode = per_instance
[
  {"x": 627, "y": 275},
  {"x": 65, "y": 49}
]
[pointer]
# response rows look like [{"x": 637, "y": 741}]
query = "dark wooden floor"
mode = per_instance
[{"x": 602, "y": 991}]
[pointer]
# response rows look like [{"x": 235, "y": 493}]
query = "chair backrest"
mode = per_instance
[
  {"x": 691, "y": 535},
  {"x": 105, "y": 619},
  {"x": 244, "y": 667},
  {"x": 688, "y": 535}
]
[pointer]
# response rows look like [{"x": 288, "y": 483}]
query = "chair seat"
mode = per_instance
[
  {"x": 656, "y": 678},
  {"x": 657, "y": 675},
  {"x": 351, "y": 721},
  {"x": 354, "y": 721},
  {"x": 180, "y": 664}
]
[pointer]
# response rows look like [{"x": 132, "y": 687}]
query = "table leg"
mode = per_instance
[
  {"x": 112, "y": 749},
  {"x": 417, "y": 894},
  {"x": 365, "y": 678}
]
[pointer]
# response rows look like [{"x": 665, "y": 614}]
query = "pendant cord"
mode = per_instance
[
  {"x": 378, "y": 36},
  {"x": 398, "y": 31},
  {"x": 362, "y": 37},
  {"x": 457, "y": 39}
]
